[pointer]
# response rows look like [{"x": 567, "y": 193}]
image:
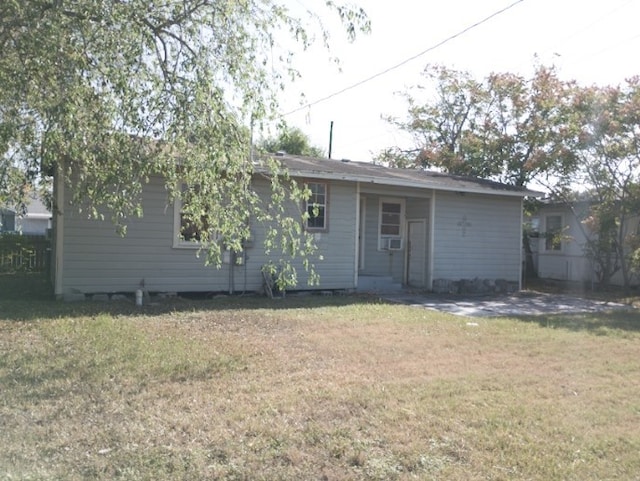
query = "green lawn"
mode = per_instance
[{"x": 314, "y": 388}]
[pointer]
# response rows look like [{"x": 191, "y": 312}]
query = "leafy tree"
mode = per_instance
[
  {"x": 506, "y": 127},
  {"x": 440, "y": 127},
  {"x": 106, "y": 93},
  {"x": 608, "y": 146},
  {"x": 292, "y": 141},
  {"x": 527, "y": 127},
  {"x": 601, "y": 246}
]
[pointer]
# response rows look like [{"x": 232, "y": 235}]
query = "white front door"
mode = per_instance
[{"x": 416, "y": 252}]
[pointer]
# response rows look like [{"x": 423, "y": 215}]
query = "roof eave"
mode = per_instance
[{"x": 418, "y": 185}]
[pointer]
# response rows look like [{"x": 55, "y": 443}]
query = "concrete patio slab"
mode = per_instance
[{"x": 519, "y": 304}]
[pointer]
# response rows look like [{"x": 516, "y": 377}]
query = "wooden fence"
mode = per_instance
[{"x": 24, "y": 253}]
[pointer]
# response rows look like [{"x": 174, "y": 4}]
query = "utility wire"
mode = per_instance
[
  {"x": 575, "y": 33},
  {"x": 604, "y": 50},
  {"x": 406, "y": 61}
]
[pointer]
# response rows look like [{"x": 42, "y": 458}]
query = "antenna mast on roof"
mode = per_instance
[{"x": 330, "y": 138}]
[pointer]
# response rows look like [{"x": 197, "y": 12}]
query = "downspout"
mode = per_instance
[
  {"x": 356, "y": 257},
  {"x": 232, "y": 259},
  {"x": 330, "y": 138},
  {"x": 58, "y": 212},
  {"x": 431, "y": 249},
  {"x": 522, "y": 267}
]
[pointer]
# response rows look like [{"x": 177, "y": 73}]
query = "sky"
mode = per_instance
[{"x": 590, "y": 41}]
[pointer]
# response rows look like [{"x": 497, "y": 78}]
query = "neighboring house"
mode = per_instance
[
  {"x": 378, "y": 228},
  {"x": 35, "y": 221},
  {"x": 561, "y": 243}
]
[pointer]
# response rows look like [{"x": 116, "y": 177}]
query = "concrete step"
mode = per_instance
[{"x": 378, "y": 284}]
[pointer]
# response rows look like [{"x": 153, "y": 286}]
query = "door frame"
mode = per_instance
[{"x": 362, "y": 228}]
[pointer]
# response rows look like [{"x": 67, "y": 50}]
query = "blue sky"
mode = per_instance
[{"x": 593, "y": 42}]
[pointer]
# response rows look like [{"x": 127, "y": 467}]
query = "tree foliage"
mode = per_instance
[
  {"x": 608, "y": 148},
  {"x": 110, "y": 93},
  {"x": 292, "y": 141},
  {"x": 506, "y": 127}
]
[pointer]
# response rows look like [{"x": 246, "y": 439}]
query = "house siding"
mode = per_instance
[
  {"x": 98, "y": 260},
  {"x": 334, "y": 261},
  {"x": 33, "y": 226},
  {"x": 477, "y": 236}
]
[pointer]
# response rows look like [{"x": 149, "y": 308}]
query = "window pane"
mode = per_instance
[
  {"x": 553, "y": 241},
  {"x": 554, "y": 222},
  {"x": 391, "y": 218},
  {"x": 317, "y": 205},
  {"x": 188, "y": 230},
  {"x": 390, "y": 229},
  {"x": 317, "y": 189},
  {"x": 391, "y": 207},
  {"x": 316, "y": 221}
]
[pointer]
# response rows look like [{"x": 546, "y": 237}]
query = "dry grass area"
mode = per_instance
[{"x": 314, "y": 389}]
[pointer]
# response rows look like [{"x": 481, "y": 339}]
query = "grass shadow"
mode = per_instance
[
  {"x": 598, "y": 323},
  {"x": 629, "y": 296},
  {"x": 35, "y": 286},
  {"x": 29, "y": 297},
  {"x": 21, "y": 309}
]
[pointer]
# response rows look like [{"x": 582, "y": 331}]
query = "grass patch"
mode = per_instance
[
  {"x": 97, "y": 350},
  {"x": 340, "y": 388}
]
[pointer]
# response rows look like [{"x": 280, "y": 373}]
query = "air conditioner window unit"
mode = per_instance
[{"x": 392, "y": 244}]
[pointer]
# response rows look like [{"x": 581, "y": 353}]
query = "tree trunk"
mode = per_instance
[
  {"x": 624, "y": 267},
  {"x": 530, "y": 268}
]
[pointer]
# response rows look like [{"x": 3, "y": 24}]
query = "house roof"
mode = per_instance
[
  {"x": 365, "y": 172},
  {"x": 35, "y": 209}
]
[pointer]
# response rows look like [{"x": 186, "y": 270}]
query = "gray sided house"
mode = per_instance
[
  {"x": 378, "y": 228},
  {"x": 560, "y": 249},
  {"x": 35, "y": 221}
]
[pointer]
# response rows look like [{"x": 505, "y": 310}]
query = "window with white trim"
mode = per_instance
[
  {"x": 185, "y": 233},
  {"x": 391, "y": 224},
  {"x": 317, "y": 206},
  {"x": 553, "y": 233}
]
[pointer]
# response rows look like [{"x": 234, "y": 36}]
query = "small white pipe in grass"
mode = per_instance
[{"x": 139, "y": 297}]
